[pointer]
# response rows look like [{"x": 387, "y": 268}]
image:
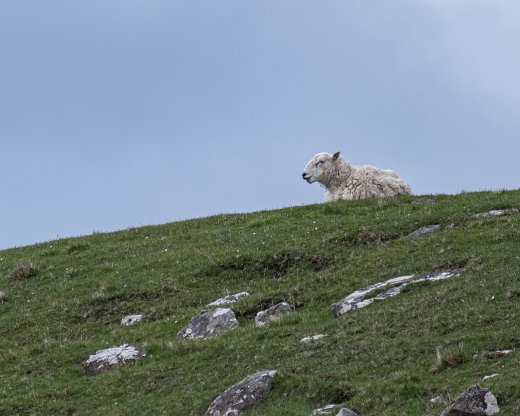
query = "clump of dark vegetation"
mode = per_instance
[
  {"x": 23, "y": 270},
  {"x": 274, "y": 266}
]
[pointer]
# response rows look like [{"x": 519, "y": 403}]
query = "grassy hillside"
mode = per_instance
[{"x": 65, "y": 299}]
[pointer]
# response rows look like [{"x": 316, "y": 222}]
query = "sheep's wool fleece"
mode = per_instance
[{"x": 344, "y": 181}]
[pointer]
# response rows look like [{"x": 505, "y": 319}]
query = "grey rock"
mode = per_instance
[
  {"x": 423, "y": 231},
  {"x": 359, "y": 299},
  {"x": 244, "y": 394},
  {"x": 274, "y": 313},
  {"x": 420, "y": 201},
  {"x": 229, "y": 299},
  {"x": 475, "y": 401},
  {"x": 131, "y": 319},
  {"x": 325, "y": 410},
  {"x": 109, "y": 358},
  {"x": 346, "y": 412},
  {"x": 207, "y": 324},
  {"x": 313, "y": 338},
  {"x": 496, "y": 213}
]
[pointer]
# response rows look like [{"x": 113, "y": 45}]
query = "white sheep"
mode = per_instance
[{"x": 344, "y": 181}]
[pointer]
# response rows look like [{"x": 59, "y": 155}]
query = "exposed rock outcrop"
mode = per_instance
[
  {"x": 475, "y": 401},
  {"x": 229, "y": 299},
  {"x": 274, "y": 313},
  {"x": 207, "y": 324},
  {"x": 109, "y": 358},
  {"x": 359, "y": 299},
  {"x": 244, "y": 394}
]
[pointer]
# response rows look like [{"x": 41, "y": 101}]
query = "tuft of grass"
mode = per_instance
[{"x": 23, "y": 270}]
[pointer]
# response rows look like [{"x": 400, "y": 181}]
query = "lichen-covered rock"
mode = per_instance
[
  {"x": 109, "y": 358},
  {"x": 346, "y": 412},
  {"x": 475, "y": 401},
  {"x": 358, "y": 299},
  {"x": 325, "y": 410},
  {"x": 131, "y": 319},
  {"x": 244, "y": 394},
  {"x": 207, "y": 324},
  {"x": 496, "y": 213},
  {"x": 229, "y": 299},
  {"x": 428, "y": 229},
  {"x": 274, "y": 313},
  {"x": 311, "y": 339}
]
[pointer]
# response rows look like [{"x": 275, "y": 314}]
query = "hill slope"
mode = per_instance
[{"x": 69, "y": 300}]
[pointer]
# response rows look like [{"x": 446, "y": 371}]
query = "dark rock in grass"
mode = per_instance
[
  {"x": 359, "y": 299},
  {"x": 207, "y": 324},
  {"x": 131, "y": 319},
  {"x": 423, "y": 231},
  {"x": 107, "y": 359},
  {"x": 240, "y": 396},
  {"x": 274, "y": 313},
  {"x": 475, "y": 401},
  {"x": 229, "y": 299},
  {"x": 496, "y": 213}
]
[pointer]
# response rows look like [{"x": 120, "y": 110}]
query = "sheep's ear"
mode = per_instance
[{"x": 335, "y": 156}]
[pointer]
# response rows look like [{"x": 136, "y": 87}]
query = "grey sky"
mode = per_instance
[{"x": 122, "y": 113}]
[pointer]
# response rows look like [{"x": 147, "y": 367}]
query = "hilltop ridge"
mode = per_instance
[{"x": 410, "y": 354}]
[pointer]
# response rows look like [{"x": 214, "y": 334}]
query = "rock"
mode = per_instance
[
  {"x": 229, "y": 299},
  {"x": 496, "y": 213},
  {"x": 475, "y": 401},
  {"x": 131, "y": 319},
  {"x": 240, "y": 396},
  {"x": 207, "y": 324},
  {"x": 3, "y": 296},
  {"x": 346, "y": 412},
  {"x": 490, "y": 376},
  {"x": 420, "y": 201},
  {"x": 423, "y": 231},
  {"x": 358, "y": 299},
  {"x": 274, "y": 313},
  {"x": 104, "y": 360},
  {"x": 325, "y": 410},
  {"x": 308, "y": 340}
]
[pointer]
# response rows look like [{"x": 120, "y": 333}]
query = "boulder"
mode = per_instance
[
  {"x": 244, "y": 394},
  {"x": 109, "y": 358},
  {"x": 229, "y": 299},
  {"x": 475, "y": 401},
  {"x": 359, "y": 299},
  {"x": 131, "y": 319},
  {"x": 207, "y": 324},
  {"x": 274, "y": 313}
]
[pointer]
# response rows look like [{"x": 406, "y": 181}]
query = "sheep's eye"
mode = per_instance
[{"x": 319, "y": 163}]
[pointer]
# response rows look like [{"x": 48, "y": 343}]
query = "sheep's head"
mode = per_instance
[{"x": 318, "y": 167}]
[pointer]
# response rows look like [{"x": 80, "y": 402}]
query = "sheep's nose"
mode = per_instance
[{"x": 303, "y": 175}]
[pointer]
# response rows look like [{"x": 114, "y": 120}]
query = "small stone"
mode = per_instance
[
  {"x": 496, "y": 213},
  {"x": 313, "y": 338},
  {"x": 346, "y": 412},
  {"x": 207, "y": 324},
  {"x": 246, "y": 393},
  {"x": 109, "y": 358},
  {"x": 3, "y": 296},
  {"x": 475, "y": 401},
  {"x": 131, "y": 319},
  {"x": 325, "y": 410},
  {"x": 488, "y": 377},
  {"x": 274, "y": 313},
  {"x": 428, "y": 229},
  {"x": 229, "y": 299}
]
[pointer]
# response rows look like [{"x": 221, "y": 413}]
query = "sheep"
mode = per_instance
[{"x": 344, "y": 181}]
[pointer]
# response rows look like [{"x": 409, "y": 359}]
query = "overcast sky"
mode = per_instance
[{"x": 120, "y": 113}]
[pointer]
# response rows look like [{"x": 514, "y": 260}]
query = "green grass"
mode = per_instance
[{"x": 380, "y": 360}]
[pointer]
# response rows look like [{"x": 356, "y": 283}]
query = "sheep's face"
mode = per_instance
[{"x": 317, "y": 168}]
